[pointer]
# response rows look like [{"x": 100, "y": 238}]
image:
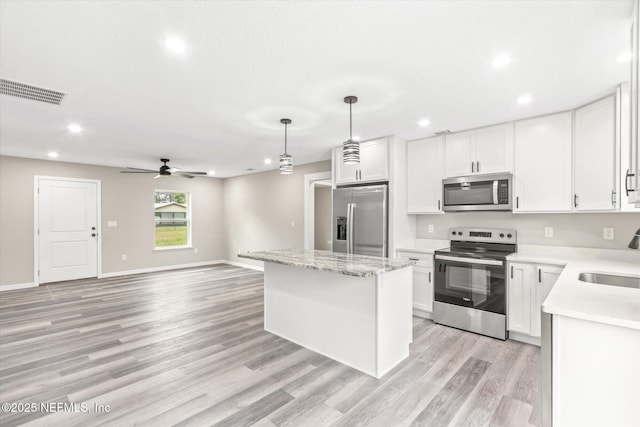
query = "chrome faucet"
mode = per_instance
[{"x": 635, "y": 242}]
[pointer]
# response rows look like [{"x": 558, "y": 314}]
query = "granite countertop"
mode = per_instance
[{"x": 336, "y": 262}]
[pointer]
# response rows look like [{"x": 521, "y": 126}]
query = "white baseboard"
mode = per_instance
[
  {"x": 244, "y": 265},
  {"x": 144, "y": 270},
  {"x": 161, "y": 268},
  {"x": 17, "y": 286},
  {"x": 420, "y": 312},
  {"x": 516, "y": 336}
]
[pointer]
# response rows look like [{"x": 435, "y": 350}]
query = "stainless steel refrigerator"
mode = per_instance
[{"x": 360, "y": 221}]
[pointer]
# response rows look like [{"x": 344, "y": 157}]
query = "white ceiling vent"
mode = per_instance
[{"x": 34, "y": 93}]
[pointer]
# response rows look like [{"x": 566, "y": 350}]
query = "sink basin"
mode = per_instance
[{"x": 611, "y": 280}]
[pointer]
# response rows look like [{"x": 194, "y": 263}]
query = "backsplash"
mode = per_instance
[{"x": 578, "y": 230}]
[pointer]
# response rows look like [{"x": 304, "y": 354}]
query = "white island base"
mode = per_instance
[{"x": 362, "y": 322}]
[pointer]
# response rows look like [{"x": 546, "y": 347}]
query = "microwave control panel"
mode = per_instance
[{"x": 503, "y": 192}]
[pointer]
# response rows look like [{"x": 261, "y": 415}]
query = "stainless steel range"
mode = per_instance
[{"x": 471, "y": 280}]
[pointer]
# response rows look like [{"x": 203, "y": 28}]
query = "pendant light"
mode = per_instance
[
  {"x": 350, "y": 148},
  {"x": 286, "y": 161}
]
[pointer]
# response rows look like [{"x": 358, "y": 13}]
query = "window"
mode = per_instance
[{"x": 172, "y": 219}]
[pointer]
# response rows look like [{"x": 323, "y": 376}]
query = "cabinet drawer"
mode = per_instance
[{"x": 422, "y": 259}]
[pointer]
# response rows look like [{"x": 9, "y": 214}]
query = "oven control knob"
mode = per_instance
[
  {"x": 459, "y": 233},
  {"x": 453, "y": 232},
  {"x": 501, "y": 234},
  {"x": 509, "y": 236}
]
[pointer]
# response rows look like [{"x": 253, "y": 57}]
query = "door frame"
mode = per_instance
[
  {"x": 309, "y": 205},
  {"x": 36, "y": 218}
]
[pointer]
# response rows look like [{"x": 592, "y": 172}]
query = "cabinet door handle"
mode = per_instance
[
  {"x": 613, "y": 198},
  {"x": 356, "y": 175},
  {"x": 429, "y": 277},
  {"x": 517, "y": 202},
  {"x": 512, "y": 271},
  {"x": 539, "y": 275},
  {"x": 472, "y": 167},
  {"x": 628, "y": 175},
  {"x": 414, "y": 259},
  {"x": 478, "y": 166},
  {"x": 438, "y": 204},
  {"x": 575, "y": 200}
]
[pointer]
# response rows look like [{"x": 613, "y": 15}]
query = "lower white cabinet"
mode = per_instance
[
  {"x": 422, "y": 282},
  {"x": 528, "y": 286}
]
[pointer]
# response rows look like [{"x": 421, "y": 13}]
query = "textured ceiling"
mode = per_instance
[{"x": 248, "y": 64}]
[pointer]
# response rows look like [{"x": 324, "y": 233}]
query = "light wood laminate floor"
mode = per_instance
[{"x": 187, "y": 347}]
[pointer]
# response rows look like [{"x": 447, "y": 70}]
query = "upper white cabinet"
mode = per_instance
[
  {"x": 542, "y": 170},
  {"x": 424, "y": 175},
  {"x": 485, "y": 150},
  {"x": 595, "y": 156},
  {"x": 373, "y": 166},
  {"x": 632, "y": 172}
]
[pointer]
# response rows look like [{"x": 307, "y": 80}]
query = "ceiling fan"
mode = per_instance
[{"x": 165, "y": 170}]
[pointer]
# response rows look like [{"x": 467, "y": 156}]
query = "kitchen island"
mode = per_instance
[{"x": 352, "y": 308}]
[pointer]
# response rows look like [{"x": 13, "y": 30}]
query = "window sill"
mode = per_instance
[{"x": 172, "y": 248}]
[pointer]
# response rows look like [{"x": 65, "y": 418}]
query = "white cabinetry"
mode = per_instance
[
  {"x": 528, "y": 286},
  {"x": 424, "y": 173},
  {"x": 373, "y": 166},
  {"x": 422, "y": 282},
  {"x": 632, "y": 175},
  {"x": 543, "y": 164},
  {"x": 595, "y": 156},
  {"x": 485, "y": 150}
]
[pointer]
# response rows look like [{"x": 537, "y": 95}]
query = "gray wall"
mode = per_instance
[
  {"x": 322, "y": 218},
  {"x": 259, "y": 208},
  {"x": 578, "y": 230},
  {"x": 126, "y": 198}
]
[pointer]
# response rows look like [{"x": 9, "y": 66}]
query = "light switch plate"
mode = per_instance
[
  {"x": 430, "y": 228},
  {"x": 607, "y": 233},
  {"x": 112, "y": 223},
  {"x": 548, "y": 232},
  {"x": 124, "y": 257}
]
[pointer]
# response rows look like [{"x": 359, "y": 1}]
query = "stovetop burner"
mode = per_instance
[{"x": 481, "y": 243}]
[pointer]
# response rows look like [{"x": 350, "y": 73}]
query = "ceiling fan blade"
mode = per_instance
[
  {"x": 172, "y": 170},
  {"x": 138, "y": 171},
  {"x": 157, "y": 176},
  {"x": 193, "y": 173},
  {"x": 186, "y": 176}
]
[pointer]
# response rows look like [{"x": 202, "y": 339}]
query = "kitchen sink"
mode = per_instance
[{"x": 611, "y": 280}]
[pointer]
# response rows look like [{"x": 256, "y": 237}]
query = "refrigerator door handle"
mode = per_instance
[
  {"x": 351, "y": 231},
  {"x": 348, "y": 228}
]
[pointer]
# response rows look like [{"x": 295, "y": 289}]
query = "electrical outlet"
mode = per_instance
[
  {"x": 124, "y": 257},
  {"x": 548, "y": 232},
  {"x": 293, "y": 223},
  {"x": 430, "y": 228},
  {"x": 608, "y": 233},
  {"x": 112, "y": 223},
  {"x": 195, "y": 250}
]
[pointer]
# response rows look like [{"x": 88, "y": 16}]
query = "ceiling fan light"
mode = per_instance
[
  {"x": 286, "y": 164},
  {"x": 351, "y": 152}
]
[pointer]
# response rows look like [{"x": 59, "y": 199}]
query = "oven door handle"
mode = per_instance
[{"x": 470, "y": 260}]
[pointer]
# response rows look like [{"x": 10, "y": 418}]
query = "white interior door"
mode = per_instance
[{"x": 67, "y": 229}]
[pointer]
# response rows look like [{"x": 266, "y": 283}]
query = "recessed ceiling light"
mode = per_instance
[
  {"x": 524, "y": 99},
  {"x": 52, "y": 154},
  {"x": 211, "y": 172},
  {"x": 501, "y": 61},
  {"x": 267, "y": 161},
  {"x": 356, "y": 138},
  {"x": 624, "y": 57},
  {"x": 175, "y": 45},
  {"x": 74, "y": 128},
  {"x": 424, "y": 123}
]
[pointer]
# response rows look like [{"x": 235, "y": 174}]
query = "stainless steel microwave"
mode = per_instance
[{"x": 491, "y": 192}]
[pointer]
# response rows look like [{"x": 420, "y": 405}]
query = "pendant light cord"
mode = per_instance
[
  {"x": 285, "y": 138},
  {"x": 350, "y": 123}
]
